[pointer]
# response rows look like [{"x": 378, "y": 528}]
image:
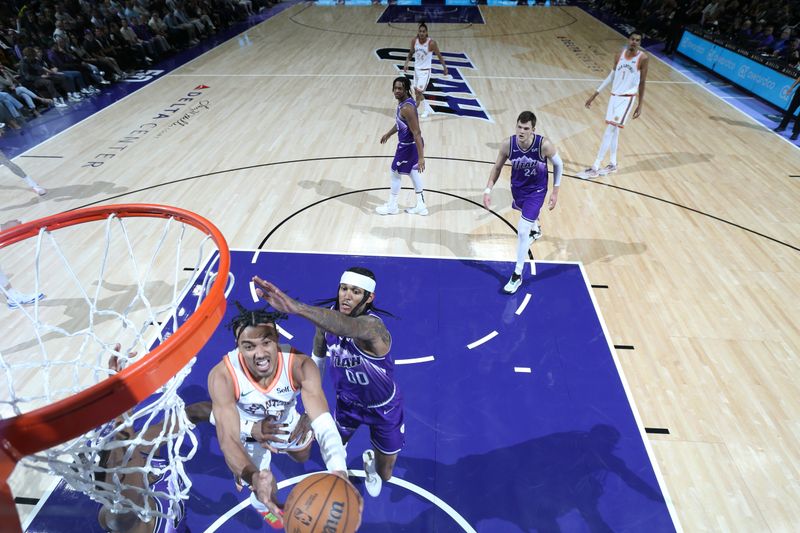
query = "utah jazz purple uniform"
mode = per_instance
[
  {"x": 406, "y": 156},
  {"x": 528, "y": 177},
  {"x": 164, "y": 484},
  {"x": 365, "y": 394}
]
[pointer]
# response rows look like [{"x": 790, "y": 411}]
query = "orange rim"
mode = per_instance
[{"x": 66, "y": 419}]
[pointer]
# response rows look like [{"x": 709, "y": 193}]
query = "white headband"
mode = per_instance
[{"x": 358, "y": 280}]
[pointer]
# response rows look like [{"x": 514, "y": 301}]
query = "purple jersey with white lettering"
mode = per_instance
[
  {"x": 528, "y": 167},
  {"x": 406, "y": 157},
  {"x": 166, "y": 484},
  {"x": 404, "y": 135},
  {"x": 528, "y": 177},
  {"x": 358, "y": 378}
]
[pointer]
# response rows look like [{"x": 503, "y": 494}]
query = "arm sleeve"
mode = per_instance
[
  {"x": 558, "y": 168},
  {"x": 330, "y": 443},
  {"x": 606, "y": 81}
]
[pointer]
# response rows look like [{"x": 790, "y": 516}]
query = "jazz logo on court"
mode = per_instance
[{"x": 453, "y": 95}]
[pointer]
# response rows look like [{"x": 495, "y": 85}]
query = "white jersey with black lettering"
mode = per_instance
[
  {"x": 627, "y": 75},
  {"x": 423, "y": 55},
  {"x": 276, "y": 400}
]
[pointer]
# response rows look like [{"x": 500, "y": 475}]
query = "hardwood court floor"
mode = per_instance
[{"x": 696, "y": 236}]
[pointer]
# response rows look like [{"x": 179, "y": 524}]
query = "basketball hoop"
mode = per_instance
[{"x": 85, "y": 413}]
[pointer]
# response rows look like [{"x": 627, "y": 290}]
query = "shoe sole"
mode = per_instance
[
  {"x": 512, "y": 291},
  {"x": 17, "y": 305}
]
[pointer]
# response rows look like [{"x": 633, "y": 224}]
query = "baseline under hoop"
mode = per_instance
[{"x": 42, "y": 428}]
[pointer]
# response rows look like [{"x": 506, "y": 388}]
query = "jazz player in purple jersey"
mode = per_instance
[
  {"x": 409, "y": 158},
  {"x": 354, "y": 338},
  {"x": 528, "y": 154},
  {"x": 140, "y": 456}
]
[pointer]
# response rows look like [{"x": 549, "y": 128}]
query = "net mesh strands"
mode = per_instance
[{"x": 119, "y": 302}]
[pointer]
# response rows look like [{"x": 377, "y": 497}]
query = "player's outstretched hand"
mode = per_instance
[
  {"x": 301, "y": 429},
  {"x": 487, "y": 200},
  {"x": 588, "y": 103},
  {"x": 266, "y": 488},
  {"x": 268, "y": 431},
  {"x": 275, "y": 297},
  {"x": 115, "y": 364},
  {"x": 384, "y": 138}
]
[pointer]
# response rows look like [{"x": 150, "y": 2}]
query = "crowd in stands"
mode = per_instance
[
  {"x": 54, "y": 53},
  {"x": 766, "y": 28}
]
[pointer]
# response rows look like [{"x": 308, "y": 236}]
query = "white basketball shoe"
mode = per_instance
[
  {"x": 513, "y": 284},
  {"x": 373, "y": 480},
  {"x": 608, "y": 169},
  {"x": 387, "y": 209},
  {"x": 419, "y": 209},
  {"x": 589, "y": 173},
  {"x": 17, "y": 299}
]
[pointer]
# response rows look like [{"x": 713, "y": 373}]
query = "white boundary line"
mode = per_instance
[
  {"x": 522, "y": 369},
  {"x": 425, "y": 359},
  {"x": 659, "y": 477},
  {"x": 419, "y": 491},
  {"x": 412, "y": 256},
  {"x": 40, "y": 504},
  {"x": 482, "y": 340},
  {"x": 523, "y": 305},
  {"x": 284, "y": 332},
  {"x": 253, "y": 294},
  {"x": 313, "y": 75}
]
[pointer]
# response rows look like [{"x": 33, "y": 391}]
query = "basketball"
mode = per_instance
[{"x": 323, "y": 502}]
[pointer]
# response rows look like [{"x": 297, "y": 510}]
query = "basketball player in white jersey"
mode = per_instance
[
  {"x": 254, "y": 390},
  {"x": 627, "y": 81},
  {"x": 422, "y": 50}
]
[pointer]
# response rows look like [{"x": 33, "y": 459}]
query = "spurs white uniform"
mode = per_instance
[
  {"x": 624, "y": 89},
  {"x": 277, "y": 400},
  {"x": 423, "y": 57}
]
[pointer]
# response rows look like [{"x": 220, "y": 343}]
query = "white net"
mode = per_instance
[{"x": 113, "y": 289}]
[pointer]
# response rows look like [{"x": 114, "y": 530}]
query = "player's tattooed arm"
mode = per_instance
[
  {"x": 368, "y": 329},
  {"x": 320, "y": 347},
  {"x": 364, "y": 327}
]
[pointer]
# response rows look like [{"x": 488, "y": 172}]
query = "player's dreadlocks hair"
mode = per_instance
[
  {"x": 361, "y": 309},
  {"x": 405, "y": 82},
  {"x": 255, "y": 317}
]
